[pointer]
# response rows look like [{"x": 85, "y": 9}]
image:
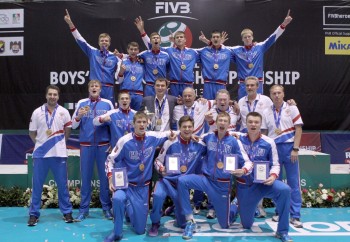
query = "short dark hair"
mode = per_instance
[
  {"x": 133, "y": 44},
  {"x": 254, "y": 114},
  {"x": 185, "y": 119},
  {"x": 223, "y": 114},
  {"x": 52, "y": 87}
]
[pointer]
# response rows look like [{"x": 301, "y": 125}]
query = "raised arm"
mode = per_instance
[{"x": 69, "y": 20}]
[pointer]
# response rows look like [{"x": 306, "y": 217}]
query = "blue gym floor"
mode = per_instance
[{"x": 326, "y": 224}]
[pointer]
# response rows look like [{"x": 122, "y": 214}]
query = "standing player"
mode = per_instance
[
  {"x": 190, "y": 154},
  {"x": 156, "y": 63},
  {"x": 94, "y": 143},
  {"x": 103, "y": 63},
  {"x": 215, "y": 61},
  {"x": 262, "y": 148},
  {"x": 130, "y": 76},
  {"x": 214, "y": 181},
  {"x": 284, "y": 125},
  {"x": 182, "y": 60},
  {"x": 135, "y": 151},
  {"x": 250, "y": 58},
  {"x": 119, "y": 120},
  {"x": 49, "y": 128}
]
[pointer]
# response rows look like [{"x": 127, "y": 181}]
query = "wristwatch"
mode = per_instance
[{"x": 295, "y": 149}]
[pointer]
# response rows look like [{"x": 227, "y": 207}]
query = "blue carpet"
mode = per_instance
[{"x": 320, "y": 225}]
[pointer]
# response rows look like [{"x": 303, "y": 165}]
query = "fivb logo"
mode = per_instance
[{"x": 172, "y": 7}]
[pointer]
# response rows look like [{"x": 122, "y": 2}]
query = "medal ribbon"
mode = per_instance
[
  {"x": 49, "y": 122},
  {"x": 155, "y": 61},
  {"x": 249, "y": 55},
  {"x": 94, "y": 108},
  {"x": 185, "y": 156},
  {"x": 277, "y": 118},
  {"x": 160, "y": 108},
  {"x": 252, "y": 152},
  {"x": 255, "y": 102},
  {"x": 140, "y": 151},
  {"x": 192, "y": 111},
  {"x": 126, "y": 127}
]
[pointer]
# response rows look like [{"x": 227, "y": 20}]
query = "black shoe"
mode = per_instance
[
  {"x": 68, "y": 218},
  {"x": 33, "y": 220}
]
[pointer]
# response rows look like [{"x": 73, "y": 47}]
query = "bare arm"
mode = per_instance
[
  {"x": 67, "y": 131},
  {"x": 297, "y": 138}
]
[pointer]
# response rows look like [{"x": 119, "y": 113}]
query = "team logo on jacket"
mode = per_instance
[{"x": 173, "y": 27}]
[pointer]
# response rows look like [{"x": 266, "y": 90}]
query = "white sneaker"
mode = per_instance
[
  {"x": 196, "y": 210},
  {"x": 211, "y": 214},
  {"x": 261, "y": 213},
  {"x": 275, "y": 218},
  {"x": 296, "y": 222}
]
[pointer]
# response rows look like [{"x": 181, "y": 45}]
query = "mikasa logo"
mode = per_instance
[{"x": 172, "y": 7}]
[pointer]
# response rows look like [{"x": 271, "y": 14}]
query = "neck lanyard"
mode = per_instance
[{"x": 277, "y": 117}]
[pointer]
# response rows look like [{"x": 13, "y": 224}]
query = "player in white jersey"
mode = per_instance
[
  {"x": 253, "y": 102},
  {"x": 192, "y": 108},
  {"x": 222, "y": 105},
  {"x": 284, "y": 124},
  {"x": 49, "y": 128}
]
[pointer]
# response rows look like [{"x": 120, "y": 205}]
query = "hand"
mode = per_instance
[
  {"x": 238, "y": 172},
  {"x": 162, "y": 170},
  {"x": 203, "y": 38},
  {"x": 195, "y": 138},
  {"x": 235, "y": 134},
  {"x": 81, "y": 112},
  {"x": 117, "y": 54},
  {"x": 269, "y": 181},
  {"x": 223, "y": 37},
  {"x": 292, "y": 102},
  {"x": 287, "y": 20},
  {"x": 106, "y": 119},
  {"x": 140, "y": 25},
  {"x": 209, "y": 116},
  {"x": 172, "y": 136},
  {"x": 179, "y": 100},
  {"x": 111, "y": 187},
  {"x": 294, "y": 156},
  {"x": 122, "y": 69},
  {"x": 68, "y": 20}
]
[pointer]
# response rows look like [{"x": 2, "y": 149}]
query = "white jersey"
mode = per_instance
[
  {"x": 196, "y": 111},
  {"x": 234, "y": 118},
  {"x": 289, "y": 117},
  {"x": 50, "y": 144},
  {"x": 260, "y": 103}
]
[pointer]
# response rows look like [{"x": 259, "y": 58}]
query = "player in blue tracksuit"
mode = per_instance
[
  {"x": 215, "y": 61},
  {"x": 284, "y": 124},
  {"x": 262, "y": 148},
  {"x": 103, "y": 63},
  {"x": 250, "y": 57},
  {"x": 190, "y": 155},
  {"x": 156, "y": 63},
  {"x": 130, "y": 76},
  {"x": 94, "y": 143},
  {"x": 135, "y": 152},
  {"x": 182, "y": 60},
  {"x": 214, "y": 181},
  {"x": 119, "y": 120}
]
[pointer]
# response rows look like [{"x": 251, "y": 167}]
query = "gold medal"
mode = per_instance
[
  {"x": 278, "y": 131},
  {"x": 220, "y": 165},
  {"x": 87, "y": 108},
  {"x": 216, "y": 66},
  {"x": 183, "y": 168},
  {"x": 133, "y": 78},
  {"x": 48, "y": 132},
  {"x": 155, "y": 71},
  {"x": 141, "y": 167},
  {"x": 183, "y": 67},
  {"x": 251, "y": 65},
  {"x": 159, "y": 121}
]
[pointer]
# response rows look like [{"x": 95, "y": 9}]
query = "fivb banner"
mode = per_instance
[{"x": 310, "y": 59}]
